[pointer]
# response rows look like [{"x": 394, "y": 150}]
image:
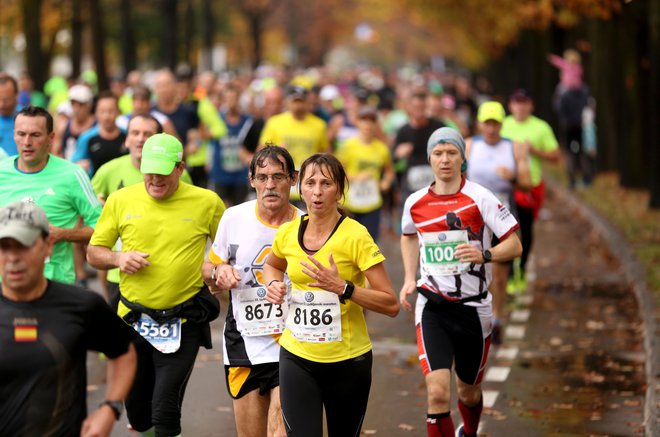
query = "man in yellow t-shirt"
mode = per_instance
[
  {"x": 297, "y": 130},
  {"x": 164, "y": 227}
]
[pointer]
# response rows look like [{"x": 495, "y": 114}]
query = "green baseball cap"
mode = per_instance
[{"x": 160, "y": 153}]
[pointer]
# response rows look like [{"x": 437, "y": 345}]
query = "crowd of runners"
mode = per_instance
[{"x": 292, "y": 178}]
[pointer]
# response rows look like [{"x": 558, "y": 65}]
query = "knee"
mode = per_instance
[
  {"x": 438, "y": 396},
  {"x": 469, "y": 394}
]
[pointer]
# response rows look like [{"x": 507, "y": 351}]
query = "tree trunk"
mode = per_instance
[
  {"x": 170, "y": 34},
  {"x": 127, "y": 37},
  {"x": 189, "y": 34},
  {"x": 631, "y": 147},
  {"x": 98, "y": 44},
  {"x": 76, "y": 37},
  {"x": 34, "y": 55},
  {"x": 256, "y": 33},
  {"x": 207, "y": 35},
  {"x": 654, "y": 103}
]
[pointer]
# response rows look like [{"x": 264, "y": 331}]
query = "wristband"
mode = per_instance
[
  {"x": 213, "y": 272},
  {"x": 349, "y": 288},
  {"x": 274, "y": 280}
]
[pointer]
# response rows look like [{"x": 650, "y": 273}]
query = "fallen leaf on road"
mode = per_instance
[
  {"x": 368, "y": 432},
  {"x": 223, "y": 409},
  {"x": 406, "y": 427}
]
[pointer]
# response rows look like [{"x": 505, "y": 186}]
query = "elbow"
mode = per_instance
[
  {"x": 93, "y": 257},
  {"x": 393, "y": 309}
]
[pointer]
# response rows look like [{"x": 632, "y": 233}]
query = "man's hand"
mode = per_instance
[
  {"x": 99, "y": 423},
  {"x": 132, "y": 262},
  {"x": 403, "y": 150},
  {"x": 406, "y": 290},
  {"x": 226, "y": 277}
]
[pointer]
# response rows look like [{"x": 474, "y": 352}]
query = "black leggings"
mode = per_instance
[
  {"x": 160, "y": 383},
  {"x": 307, "y": 386}
]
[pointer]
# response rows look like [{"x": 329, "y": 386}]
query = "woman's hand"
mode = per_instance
[
  {"x": 275, "y": 292},
  {"x": 326, "y": 278}
]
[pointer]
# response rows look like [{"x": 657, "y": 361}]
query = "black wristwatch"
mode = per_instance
[
  {"x": 117, "y": 407},
  {"x": 488, "y": 256},
  {"x": 349, "y": 288}
]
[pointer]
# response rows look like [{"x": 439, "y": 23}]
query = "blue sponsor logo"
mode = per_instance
[
  {"x": 309, "y": 296},
  {"x": 442, "y": 236},
  {"x": 261, "y": 292}
]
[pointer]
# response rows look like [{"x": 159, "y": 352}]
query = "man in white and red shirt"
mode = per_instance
[{"x": 447, "y": 228}]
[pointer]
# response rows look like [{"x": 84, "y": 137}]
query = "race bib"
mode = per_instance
[
  {"x": 230, "y": 157},
  {"x": 314, "y": 316},
  {"x": 419, "y": 176},
  {"x": 363, "y": 194},
  {"x": 165, "y": 337},
  {"x": 439, "y": 249},
  {"x": 255, "y": 316}
]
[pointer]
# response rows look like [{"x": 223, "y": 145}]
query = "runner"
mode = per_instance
[
  {"x": 46, "y": 328},
  {"x": 325, "y": 355},
  {"x": 164, "y": 226},
  {"x": 103, "y": 142},
  {"x": 122, "y": 172},
  {"x": 447, "y": 229},
  {"x": 60, "y": 187},
  {"x": 253, "y": 325},
  {"x": 369, "y": 169},
  {"x": 500, "y": 165},
  {"x": 542, "y": 144}
]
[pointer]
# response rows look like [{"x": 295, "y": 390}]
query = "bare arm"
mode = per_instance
[
  {"x": 76, "y": 235},
  {"x": 274, "y": 279},
  {"x": 226, "y": 276},
  {"x": 523, "y": 177},
  {"x": 104, "y": 258},
  {"x": 504, "y": 251},
  {"x": 410, "y": 255},
  {"x": 551, "y": 156},
  {"x": 120, "y": 374}
]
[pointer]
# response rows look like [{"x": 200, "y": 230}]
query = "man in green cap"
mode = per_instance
[{"x": 164, "y": 226}]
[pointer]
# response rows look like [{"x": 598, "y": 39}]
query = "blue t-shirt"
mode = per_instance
[
  {"x": 7, "y": 135},
  {"x": 227, "y": 168}
]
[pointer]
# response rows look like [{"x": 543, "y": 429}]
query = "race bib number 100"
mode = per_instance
[
  {"x": 314, "y": 316},
  {"x": 165, "y": 336},
  {"x": 439, "y": 249},
  {"x": 256, "y": 316}
]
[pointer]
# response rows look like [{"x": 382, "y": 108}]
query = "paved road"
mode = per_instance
[{"x": 571, "y": 363}]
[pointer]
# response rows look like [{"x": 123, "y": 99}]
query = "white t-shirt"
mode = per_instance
[
  {"x": 441, "y": 222},
  {"x": 244, "y": 241}
]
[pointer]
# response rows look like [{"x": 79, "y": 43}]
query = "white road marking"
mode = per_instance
[
  {"x": 507, "y": 353},
  {"x": 519, "y": 316},
  {"x": 514, "y": 332},
  {"x": 497, "y": 374},
  {"x": 489, "y": 398}
]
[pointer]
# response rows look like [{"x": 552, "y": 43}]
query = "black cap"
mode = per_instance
[
  {"x": 520, "y": 94},
  {"x": 296, "y": 92}
]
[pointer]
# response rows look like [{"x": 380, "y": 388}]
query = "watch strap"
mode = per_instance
[{"x": 116, "y": 406}]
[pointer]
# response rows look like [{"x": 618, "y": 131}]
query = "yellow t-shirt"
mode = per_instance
[
  {"x": 363, "y": 195},
  {"x": 354, "y": 251},
  {"x": 174, "y": 233},
  {"x": 302, "y": 138}
]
